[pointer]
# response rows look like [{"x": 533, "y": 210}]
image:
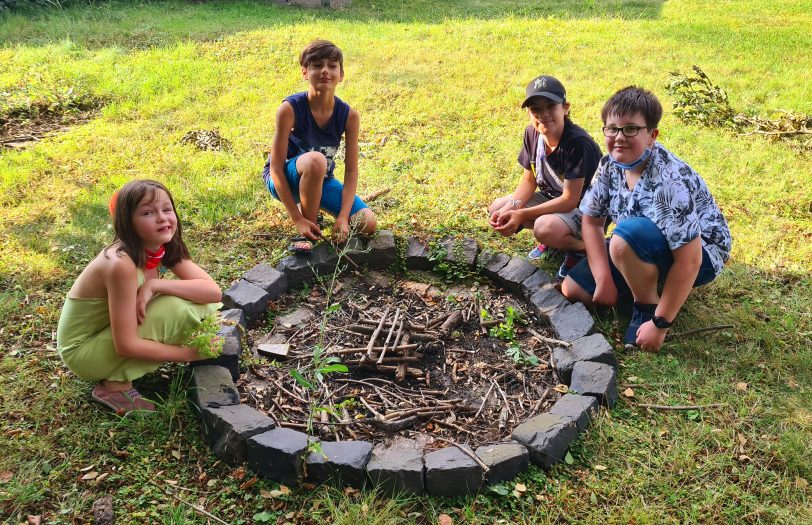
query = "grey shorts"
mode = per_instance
[{"x": 571, "y": 218}]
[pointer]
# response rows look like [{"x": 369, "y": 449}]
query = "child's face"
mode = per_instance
[
  {"x": 323, "y": 74},
  {"x": 547, "y": 116},
  {"x": 154, "y": 220},
  {"x": 629, "y": 149}
]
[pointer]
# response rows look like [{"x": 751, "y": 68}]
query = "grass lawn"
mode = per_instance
[{"x": 438, "y": 85}]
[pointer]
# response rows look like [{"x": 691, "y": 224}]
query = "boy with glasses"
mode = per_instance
[{"x": 669, "y": 229}]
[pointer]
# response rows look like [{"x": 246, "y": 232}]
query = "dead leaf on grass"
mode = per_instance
[
  {"x": 600, "y": 467},
  {"x": 5, "y": 476},
  {"x": 521, "y": 487},
  {"x": 33, "y": 520},
  {"x": 742, "y": 439},
  {"x": 744, "y": 457},
  {"x": 563, "y": 389},
  {"x": 628, "y": 392},
  {"x": 248, "y": 484},
  {"x": 741, "y": 387},
  {"x": 176, "y": 454},
  {"x": 90, "y": 475},
  {"x": 801, "y": 483},
  {"x": 445, "y": 519}
]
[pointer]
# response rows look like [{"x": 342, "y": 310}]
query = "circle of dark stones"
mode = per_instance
[{"x": 240, "y": 434}]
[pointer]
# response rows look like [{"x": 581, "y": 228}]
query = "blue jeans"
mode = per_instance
[
  {"x": 649, "y": 244},
  {"x": 331, "y": 191}
]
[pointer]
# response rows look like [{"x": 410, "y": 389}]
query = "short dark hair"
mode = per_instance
[
  {"x": 633, "y": 99},
  {"x": 125, "y": 202},
  {"x": 321, "y": 50}
]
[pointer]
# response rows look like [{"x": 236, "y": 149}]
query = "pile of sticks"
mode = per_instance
[{"x": 393, "y": 343}]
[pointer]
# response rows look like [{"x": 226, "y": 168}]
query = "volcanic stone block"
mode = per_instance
[
  {"x": 571, "y": 322},
  {"x": 232, "y": 342},
  {"x": 595, "y": 379},
  {"x": 357, "y": 251},
  {"x": 417, "y": 255},
  {"x": 546, "y": 300},
  {"x": 383, "y": 251},
  {"x": 514, "y": 272},
  {"x": 269, "y": 279},
  {"x": 505, "y": 460},
  {"x": 580, "y": 409},
  {"x": 297, "y": 270},
  {"x": 462, "y": 252},
  {"x": 231, "y": 363},
  {"x": 324, "y": 258},
  {"x": 249, "y": 298},
  {"x": 547, "y": 437},
  {"x": 234, "y": 315},
  {"x": 450, "y": 472},
  {"x": 593, "y": 347},
  {"x": 345, "y": 463},
  {"x": 278, "y": 455},
  {"x": 491, "y": 263},
  {"x": 398, "y": 468},
  {"x": 228, "y": 428},
  {"x": 213, "y": 387},
  {"x": 534, "y": 282}
]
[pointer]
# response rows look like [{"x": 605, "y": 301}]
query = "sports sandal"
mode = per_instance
[
  {"x": 121, "y": 402},
  {"x": 301, "y": 246}
]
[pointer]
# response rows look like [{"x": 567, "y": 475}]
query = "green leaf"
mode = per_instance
[
  {"x": 593, "y": 499},
  {"x": 301, "y": 379},
  {"x": 500, "y": 488},
  {"x": 333, "y": 368},
  {"x": 568, "y": 459}
]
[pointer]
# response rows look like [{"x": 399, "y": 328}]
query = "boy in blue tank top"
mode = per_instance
[{"x": 299, "y": 170}]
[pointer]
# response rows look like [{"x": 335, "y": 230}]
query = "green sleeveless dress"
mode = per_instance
[{"x": 84, "y": 338}]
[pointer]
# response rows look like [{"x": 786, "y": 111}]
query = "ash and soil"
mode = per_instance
[{"x": 467, "y": 366}]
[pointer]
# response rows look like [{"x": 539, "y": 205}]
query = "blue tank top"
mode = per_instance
[{"x": 308, "y": 136}]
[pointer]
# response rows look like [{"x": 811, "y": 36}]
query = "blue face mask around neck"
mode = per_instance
[{"x": 631, "y": 165}]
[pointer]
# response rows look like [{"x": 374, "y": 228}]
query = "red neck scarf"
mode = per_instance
[{"x": 154, "y": 258}]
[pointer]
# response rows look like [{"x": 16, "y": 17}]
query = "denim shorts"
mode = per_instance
[
  {"x": 650, "y": 245},
  {"x": 331, "y": 191}
]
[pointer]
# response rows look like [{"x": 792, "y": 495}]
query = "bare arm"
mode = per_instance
[
  {"x": 121, "y": 282},
  {"x": 678, "y": 285},
  {"x": 566, "y": 202},
  {"x": 598, "y": 257},
  {"x": 351, "y": 132},
  {"x": 506, "y": 220},
  {"x": 193, "y": 284},
  {"x": 285, "y": 120}
]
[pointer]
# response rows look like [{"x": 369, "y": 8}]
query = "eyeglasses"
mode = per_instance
[{"x": 628, "y": 131}]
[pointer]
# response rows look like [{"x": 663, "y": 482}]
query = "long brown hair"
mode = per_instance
[{"x": 123, "y": 207}]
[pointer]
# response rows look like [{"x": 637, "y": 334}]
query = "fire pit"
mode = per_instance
[{"x": 409, "y": 385}]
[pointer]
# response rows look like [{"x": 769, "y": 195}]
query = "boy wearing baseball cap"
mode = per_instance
[{"x": 558, "y": 158}]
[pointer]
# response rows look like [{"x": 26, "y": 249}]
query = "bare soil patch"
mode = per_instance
[
  {"x": 23, "y": 131},
  {"x": 444, "y": 372}
]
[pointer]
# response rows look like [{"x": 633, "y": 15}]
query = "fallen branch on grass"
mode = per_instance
[{"x": 681, "y": 407}]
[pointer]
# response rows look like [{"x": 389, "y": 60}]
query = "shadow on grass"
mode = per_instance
[{"x": 157, "y": 23}]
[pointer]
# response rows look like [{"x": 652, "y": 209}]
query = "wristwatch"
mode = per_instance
[{"x": 661, "y": 322}]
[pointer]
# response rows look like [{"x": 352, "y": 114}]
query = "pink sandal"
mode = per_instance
[{"x": 121, "y": 402}]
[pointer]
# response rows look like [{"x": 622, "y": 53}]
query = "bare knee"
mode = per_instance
[
  {"x": 498, "y": 204},
  {"x": 574, "y": 293},
  {"x": 619, "y": 250},
  {"x": 312, "y": 164},
  {"x": 366, "y": 220}
]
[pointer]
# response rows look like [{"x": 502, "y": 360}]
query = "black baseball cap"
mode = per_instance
[{"x": 547, "y": 87}]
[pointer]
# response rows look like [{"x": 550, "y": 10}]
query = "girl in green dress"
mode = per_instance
[{"x": 120, "y": 320}]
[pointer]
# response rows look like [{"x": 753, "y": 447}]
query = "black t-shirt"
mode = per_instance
[{"x": 576, "y": 157}]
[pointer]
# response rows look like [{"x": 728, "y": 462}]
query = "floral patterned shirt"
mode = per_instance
[{"x": 671, "y": 194}]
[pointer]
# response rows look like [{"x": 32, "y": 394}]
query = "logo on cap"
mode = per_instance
[{"x": 540, "y": 82}]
